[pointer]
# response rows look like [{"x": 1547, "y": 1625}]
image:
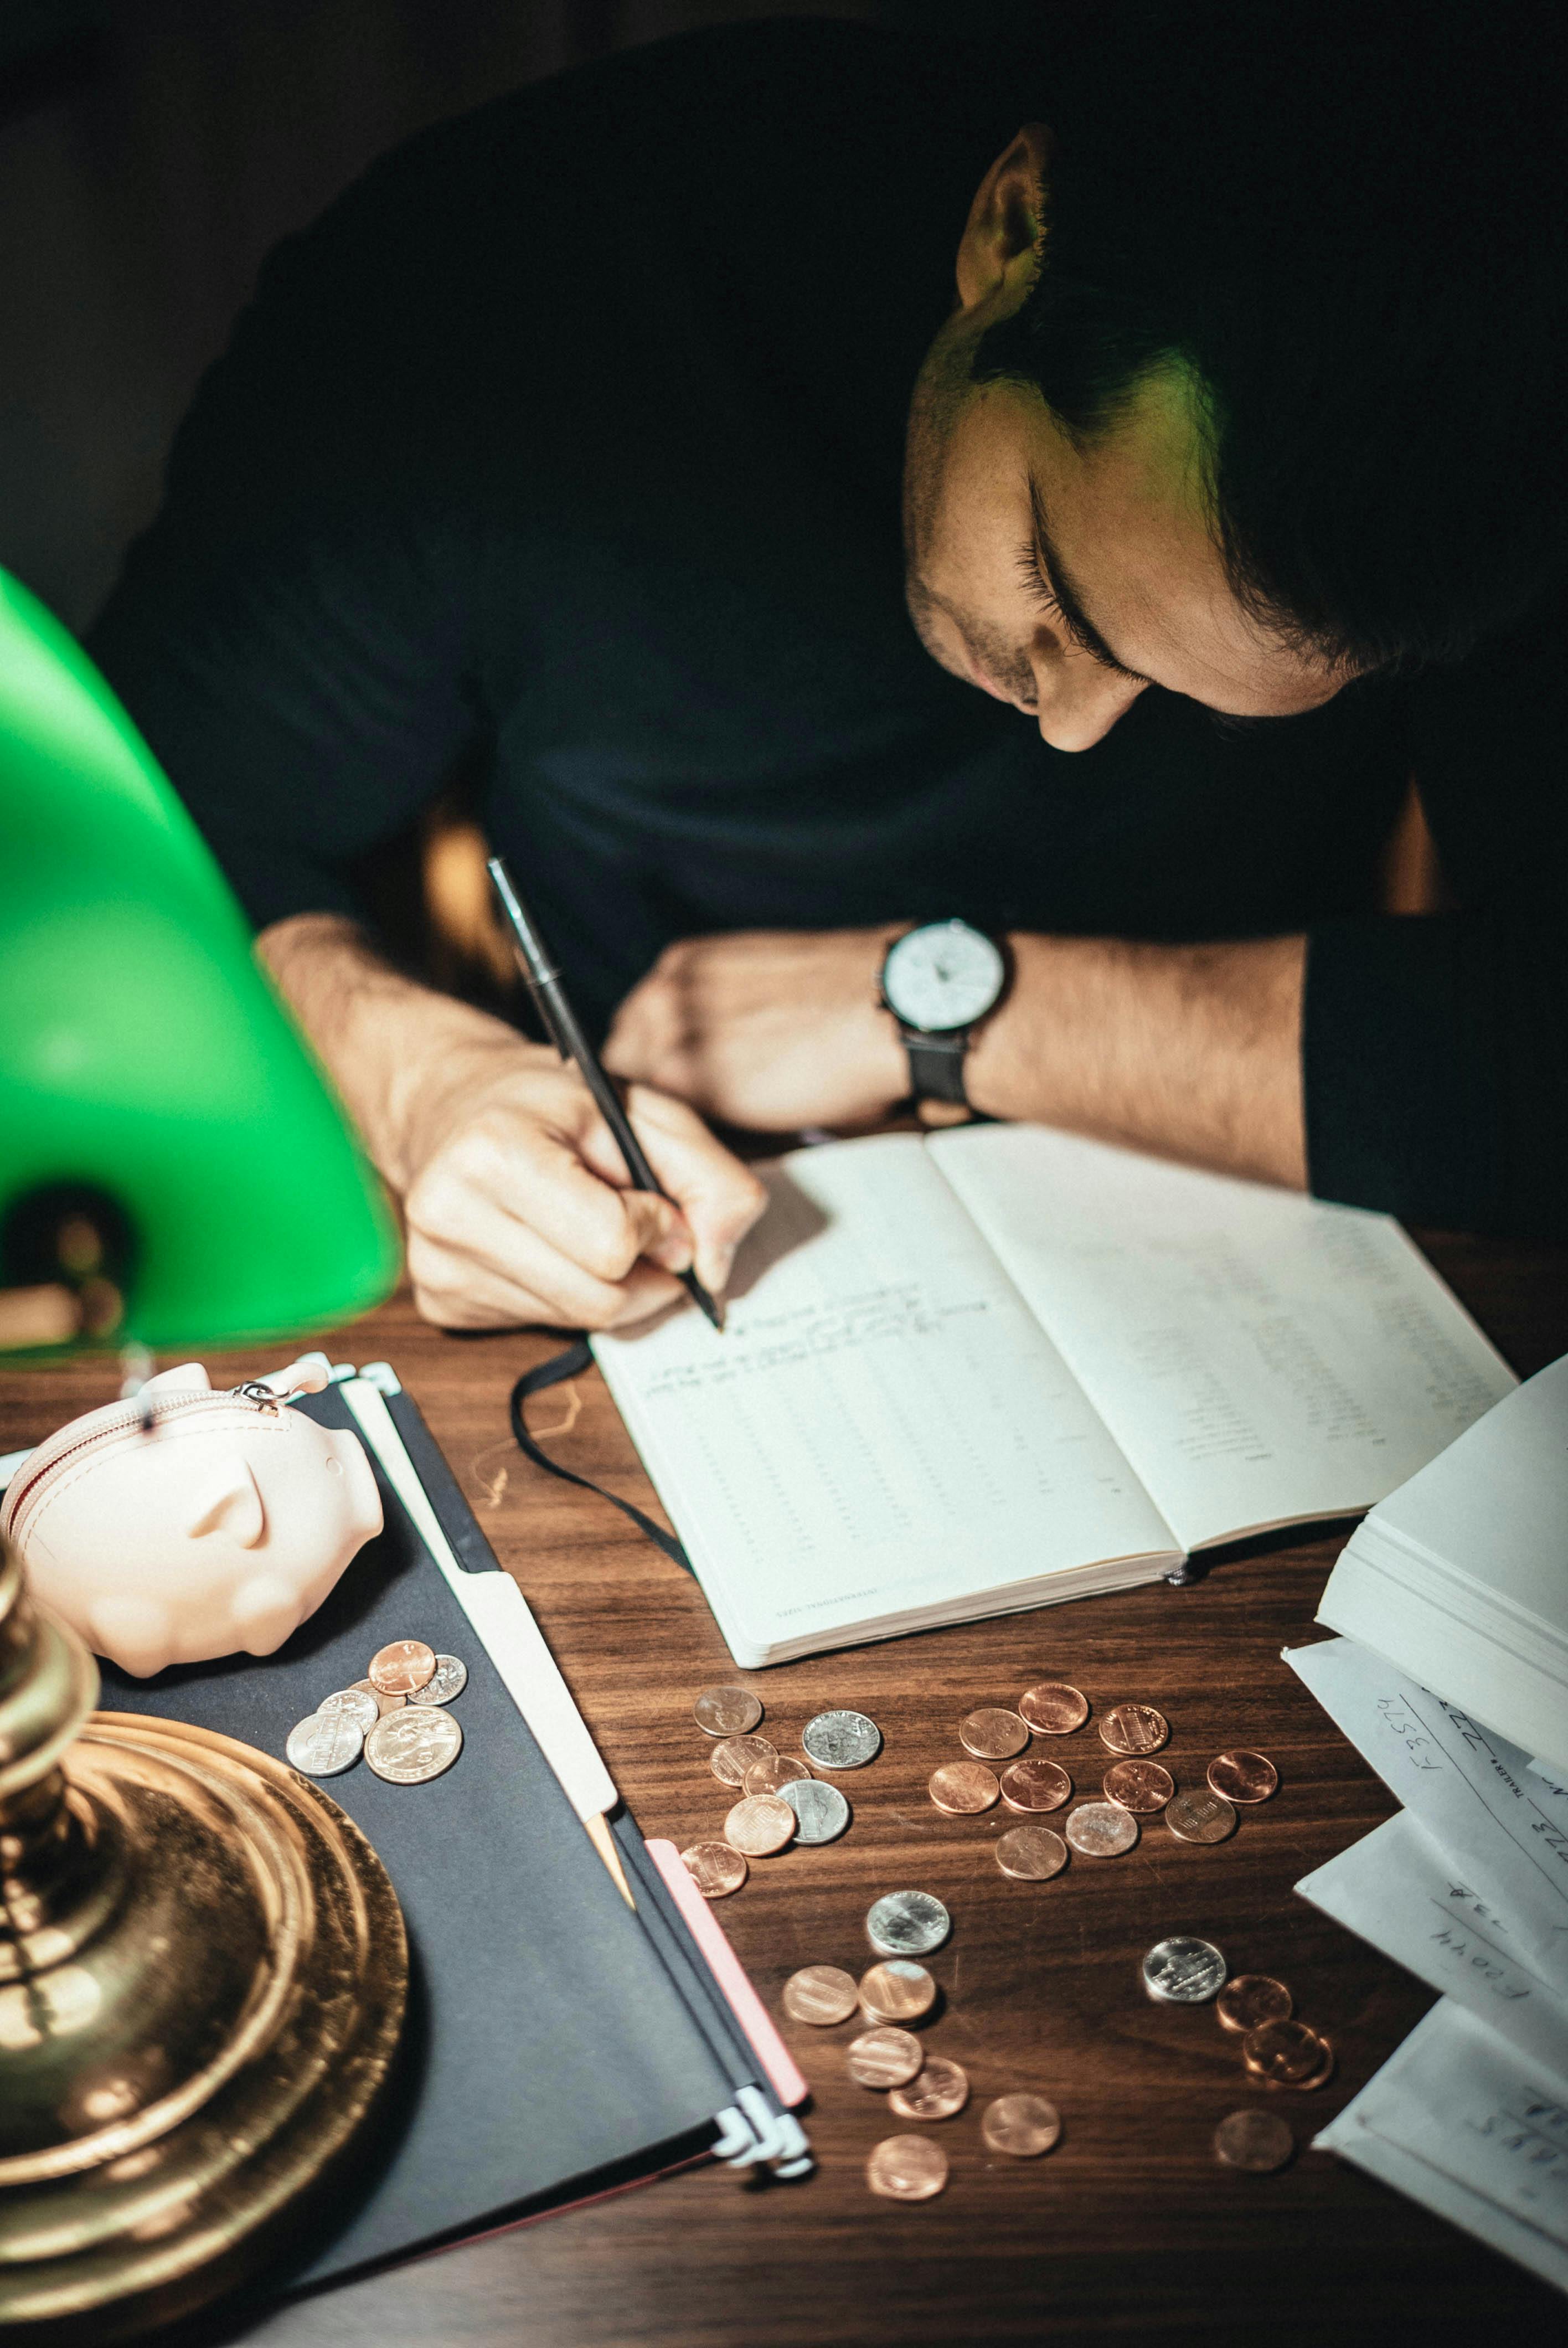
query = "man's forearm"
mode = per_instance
[
  {"x": 378, "y": 1034},
  {"x": 1194, "y": 1051}
]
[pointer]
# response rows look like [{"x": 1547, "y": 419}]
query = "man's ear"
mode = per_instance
[
  {"x": 1002, "y": 237},
  {"x": 224, "y": 1500}
]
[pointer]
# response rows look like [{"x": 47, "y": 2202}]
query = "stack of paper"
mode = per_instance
[{"x": 1468, "y": 1887}]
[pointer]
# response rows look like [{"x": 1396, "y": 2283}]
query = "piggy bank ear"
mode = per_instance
[{"x": 223, "y": 1498}]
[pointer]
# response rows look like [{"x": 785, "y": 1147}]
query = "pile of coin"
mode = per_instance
[
  {"x": 891, "y": 1995},
  {"x": 1276, "y": 2050},
  {"x": 781, "y": 1801},
  {"x": 1133, "y": 1787},
  {"x": 396, "y": 1717}
]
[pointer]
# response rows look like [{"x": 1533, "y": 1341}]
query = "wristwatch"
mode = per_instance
[{"x": 939, "y": 981}]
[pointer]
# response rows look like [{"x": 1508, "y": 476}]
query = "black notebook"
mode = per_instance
[{"x": 557, "y": 2042}]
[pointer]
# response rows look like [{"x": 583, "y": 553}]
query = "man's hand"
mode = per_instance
[
  {"x": 774, "y": 1029},
  {"x": 516, "y": 1198}
]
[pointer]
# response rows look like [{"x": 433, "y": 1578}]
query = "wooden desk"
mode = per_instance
[{"x": 1128, "y": 2229}]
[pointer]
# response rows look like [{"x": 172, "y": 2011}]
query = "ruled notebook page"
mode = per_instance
[
  {"x": 884, "y": 1434},
  {"x": 1262, "y": 1358}
]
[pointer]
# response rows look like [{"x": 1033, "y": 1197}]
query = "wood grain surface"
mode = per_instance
[{"x": 1128, "y": 2229}]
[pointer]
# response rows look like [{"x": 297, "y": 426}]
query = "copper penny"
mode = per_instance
[
  {"x": 386, "y": 1703},
  {"x": 963, "y": 1788},
  {"x": 885, "y": 2057},
  {"x": 1257, "y": 2141},
  {"x": 1023, "y": 2126},
  {"x": 1035, "y": 1786},
  {"x": 1134, "y": 1728},
  {"x": 1242, "y": 1776},
  {"x": 1030, "y": 1854},
  {"x": 906, "y": 2168},
  {"x": 1194, "y": 1814},
  {"x": 1288, "y": 2054},
  {"x": 1141, "y": 1786},
  {"x": 941, "y": 2089},
  {"x": 1253, "y": 1998},
  {"x": 759, "y": 1825},
  {"x": 726, "y": 1711},
  {"x": 400, "y": 1668},
  {"x": 770, "y": 1776},
  {"x": 714, "y": 1869},
  {"x": 1101, "y": 1829},
  {"x": 820, "y": 1995},
  {"x": 1054, "y": 1708},
  {"x": 897, "y": 1990},
  {"x": 733, "y": 1756},
  {"x": 993, "y": 1734}
]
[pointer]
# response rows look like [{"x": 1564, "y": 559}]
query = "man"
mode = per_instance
[{"x": 611, "y": 439}]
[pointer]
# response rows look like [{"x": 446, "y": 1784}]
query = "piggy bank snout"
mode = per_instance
[{"x": 362, "y": 1494}]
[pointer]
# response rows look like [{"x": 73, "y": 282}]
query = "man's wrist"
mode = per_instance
[
  {"x": 399, "y": 1053},
  {"x": 1005, "y": 1068}
]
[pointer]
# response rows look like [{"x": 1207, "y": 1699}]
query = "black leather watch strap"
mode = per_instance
[{"x": 937, "y": 1064}]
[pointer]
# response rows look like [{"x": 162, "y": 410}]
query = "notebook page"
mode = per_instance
[
  {"x": 882, "y": 1427},
  {"x": 1262, "y": 1358}
]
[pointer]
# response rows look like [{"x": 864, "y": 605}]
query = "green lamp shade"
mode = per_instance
[{"x": 143, "y": 1056}]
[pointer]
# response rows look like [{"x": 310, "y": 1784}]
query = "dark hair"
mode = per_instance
[{"x": 1347, "y": 224}]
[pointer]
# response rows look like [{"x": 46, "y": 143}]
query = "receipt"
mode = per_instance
[
  {"x": 1398, "y": 1890},
  {"x": 1460, "y": 2120},
  {"x": 1503, "y": 1828}
]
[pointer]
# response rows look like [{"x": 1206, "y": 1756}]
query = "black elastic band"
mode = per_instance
[{"x": 554, "y": 1373}]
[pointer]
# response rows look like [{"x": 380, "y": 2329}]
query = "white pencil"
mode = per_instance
[{"x": 501, "y": 1617}]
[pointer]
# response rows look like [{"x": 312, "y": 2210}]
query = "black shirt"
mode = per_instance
[{"x": 570, "y": 442}]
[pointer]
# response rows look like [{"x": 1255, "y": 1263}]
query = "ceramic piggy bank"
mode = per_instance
[{"x": 187, "y": 1523}]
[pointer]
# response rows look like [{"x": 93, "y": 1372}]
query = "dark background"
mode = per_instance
[{"x": 151, "y": 151}]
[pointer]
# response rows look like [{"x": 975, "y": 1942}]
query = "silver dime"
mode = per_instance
[
  {"x": 907, "y": 1924},
  {"x": 841, "y": 1740},
  {"x": 1101, "y": 1829},
  {"x": 357, "y": 1704},
  {"x": 1184, "y": 1971},
  {"x": 446, "y": 1684},
  {"x": 821, "y": 1811},
  {"x": 411, "y": 1747},
  {"x": 325, "y": 1743}
]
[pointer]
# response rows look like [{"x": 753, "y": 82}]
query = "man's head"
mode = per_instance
[{"x": 1257, "y": 374}]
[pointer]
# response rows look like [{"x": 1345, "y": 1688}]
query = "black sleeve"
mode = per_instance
[
  {"x": 1436, "y": 1048},
  {"x": 291, "y": 633}
]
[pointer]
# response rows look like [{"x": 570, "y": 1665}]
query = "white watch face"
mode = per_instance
[{"x": 944, "y": 975}]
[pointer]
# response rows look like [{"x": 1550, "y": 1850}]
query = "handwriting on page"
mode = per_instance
[
  {"x": 882, "y": 1416},
  {"x": 1470, "y": 1790},
  {"x": 1398, "y": 1889},
  {"x": 762, "y": 1343},
  {"x": 1261, "y": 1358},
  {"x": 1461, "y": 2120}
]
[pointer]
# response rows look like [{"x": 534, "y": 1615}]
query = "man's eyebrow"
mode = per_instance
[{"x": 1080, "y": 626}]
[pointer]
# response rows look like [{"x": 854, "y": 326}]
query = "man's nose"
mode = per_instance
[{"x": 1079, "y": 699}]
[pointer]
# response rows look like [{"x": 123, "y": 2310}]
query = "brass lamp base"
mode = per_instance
[{"x": 202, "y": 1977}]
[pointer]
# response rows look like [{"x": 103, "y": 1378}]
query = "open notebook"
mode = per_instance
[{"x": 999, "y": 1367}]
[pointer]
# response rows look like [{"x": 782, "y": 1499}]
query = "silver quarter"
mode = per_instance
[
  {"x": 411, "y": 1747},
  {"x": 841, "y": 1740},
  {"x": 1184, "y": 1971},
  {"x": 907, "y": 1923},
  {"x": 325, "y": 1743},
  {"x": 446, "y": 1684},
  {"x": 821, "y": 1811},
  {"x": 357, "y": 1704}
]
